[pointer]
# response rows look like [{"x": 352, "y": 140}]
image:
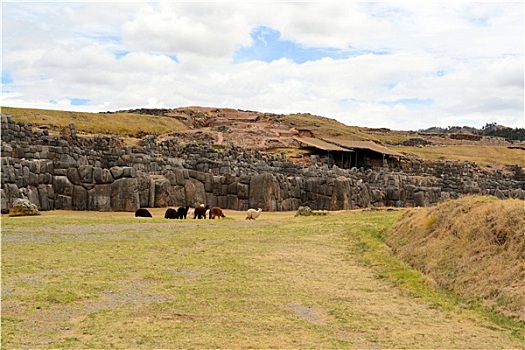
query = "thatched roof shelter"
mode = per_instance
[
  {"x": 320, "y": 144},
  {"x": 368, "y": 145}
]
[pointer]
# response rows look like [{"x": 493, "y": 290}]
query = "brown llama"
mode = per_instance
[
  {"x": 200, "y": 211},
  {"x": 216, "y": 212}
]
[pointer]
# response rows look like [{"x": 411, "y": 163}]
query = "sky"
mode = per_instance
[{"x": 403, "y": 66}]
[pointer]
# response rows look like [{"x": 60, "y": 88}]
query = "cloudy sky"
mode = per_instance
[{"x": 403, "y": 66}]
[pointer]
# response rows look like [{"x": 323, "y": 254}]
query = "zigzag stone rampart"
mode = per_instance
[{"x": 100, "y": 173}]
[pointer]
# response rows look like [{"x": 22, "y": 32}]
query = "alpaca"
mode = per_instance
[
  {"x": 142, "y": 213},
  {"x": 200, "y": 211},
  {"x": 253, "y": 214},
  {"x": 170, "y": 214},
  {"x": 216, "y": 212},
  {"x": 182, "y": 212}
]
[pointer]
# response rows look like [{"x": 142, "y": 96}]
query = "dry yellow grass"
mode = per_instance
[
  {"x": 474, "y": 246},
  {"x": 108, "y": 280},
  {"x": 482, "y": 155},
  {"x": 122, "y": 124},
  {"x": 325, "y": 127}
]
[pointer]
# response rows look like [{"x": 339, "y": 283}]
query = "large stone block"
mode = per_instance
[
  {"x": 180, "y": 179},
  {"x": 265, "y": 192},
  {"x": 116, "y": 172},
  {"x": 9, "y": 174},
  {"x": 195, "y": 193},
  {"x": 33, "y": 196},
  {"x": 85, "y": 173},
  {"x": 243, "y": 191},
  {"x": 63, "y": 202},
  {"x": 80, "y": 198},
  {"x": 218, "y": 187},
  {"x": 222, "y": 201},
  {"x": 125, "y": 195},
  {"x": 12, "y": 192},
  {"x": 161, "y": 192},
  {"x": 151, "y": 202},
  {"x": 244, "y": 204},
  {"x": 245, "y": 179},
  {"x": 318, "y": 202},
  {"x": 4, "y": 203},
  {"x": 102, "y": 176},
  {"x": 290, "y": 204},
  {"x": 342, "y": 194},
  {"x": 177, "y": 196},
  {"x": 233, "y": 202},
  {"x": 232, "y": 188},
  {"x": 144, "y": 187},
  {"x": 62, "y": 185},
  {"x": 33, "y": 179},
  {"x": 171, "y": 177},
  {"x": 421, "y": 199},
  {"x": 129, "y": 172},
  {"x": 208, "y": 182},
  {"x": 73, "y": 176},
  {"x": 99, "y": 198},
  {"x": 46, "y": 193}
]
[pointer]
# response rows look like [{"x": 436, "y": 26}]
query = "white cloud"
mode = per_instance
[
  {"x": 184, "y": 30},
  {"x": 408, "y": 66}
]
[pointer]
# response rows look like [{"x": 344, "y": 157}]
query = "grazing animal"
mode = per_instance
[
  {"x": 216, "y": 212},
  {"x": 171, "y": 214},
  {"x": 253, "y": 214},
  {"x": 142, "y": 213},
  {"x": 182, "y": 212},
  {"x": 200, "y": 211}
]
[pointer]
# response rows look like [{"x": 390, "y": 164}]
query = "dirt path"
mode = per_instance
[
  {"x": 278, "y": 282},
  {"x": 377, "y": 314}
]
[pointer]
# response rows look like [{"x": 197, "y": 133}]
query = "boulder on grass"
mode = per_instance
[
  {"x": 304, "y": 211},
  {"x": 23, "y": 207}
]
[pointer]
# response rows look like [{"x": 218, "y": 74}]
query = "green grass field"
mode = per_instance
[{"x": 109, "y": 280}]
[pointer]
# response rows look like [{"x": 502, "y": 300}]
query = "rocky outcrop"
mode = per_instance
[
  {"x": 99, "y": 173},
  {"x": 23, "y": 207}
]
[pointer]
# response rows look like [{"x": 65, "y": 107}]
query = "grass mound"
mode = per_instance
[
  {"x": 129, "y": 125},
  {"x": 22, "y": 211},
  {"x": 474, "y": 246}
]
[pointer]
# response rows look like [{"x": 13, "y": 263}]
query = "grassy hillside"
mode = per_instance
[
  {"x": 325, "y": 127},
  {"x": 474, "y": 246},
  {"x": 481, "y": 154},
  {"x": 122, "y": 124},
  {"x": 132, "y": 126}
]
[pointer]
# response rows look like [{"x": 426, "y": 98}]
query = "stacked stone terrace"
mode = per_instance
[{"x": 101, "y": 174}]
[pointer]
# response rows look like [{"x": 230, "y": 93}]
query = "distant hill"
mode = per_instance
[
  {"x": 490, "y": 129},
  {"x": 270, "y": 132},
  {"x": 252, "y": 123}
]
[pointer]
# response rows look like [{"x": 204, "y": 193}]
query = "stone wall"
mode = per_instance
[{"x": 102, "y": 174}]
